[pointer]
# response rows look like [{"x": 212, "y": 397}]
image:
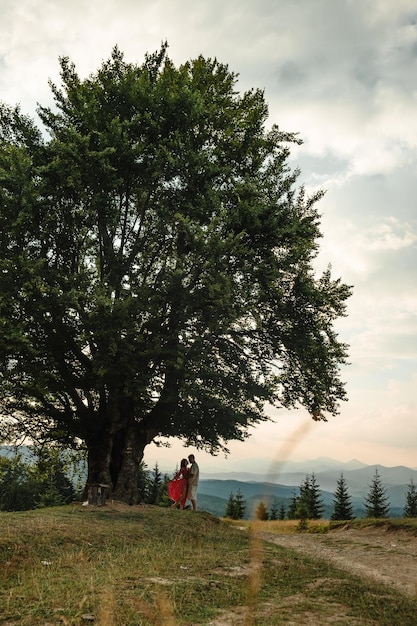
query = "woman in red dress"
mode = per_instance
[{"x": 178, "y": 486}]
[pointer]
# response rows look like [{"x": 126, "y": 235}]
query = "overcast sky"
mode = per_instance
[{"x": 341, "y": 73}]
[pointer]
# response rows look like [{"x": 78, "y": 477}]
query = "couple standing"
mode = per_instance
[{"x": 185, "y": 484}]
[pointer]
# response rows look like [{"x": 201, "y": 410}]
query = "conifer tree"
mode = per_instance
[
  {"x": 376, "y": 502},
  {"x": 316, "y": 501},
  {"x": 342, "y": 505},
  {"x": 273, "y": 513},
  {"x": 143, "y": 482},
  {"x": 155, "y": 486},
  {"x": 230, "y": 506},
  {"x": 235, "y": 507},
  {"x": 303, "y": 515},
  {"x": 261, "y": 512},
  {"x": 35, "y": 483},
  {"x": 282, "y": 512},
  {"x": 292, "y": 509},
  {"x": 164, "y": 499},
  {"x": 310, "y": 497},
  {"x": 304, "y": 497},
  {"x": 410, "y": 509},
  {"x": 239, "y": 505}
]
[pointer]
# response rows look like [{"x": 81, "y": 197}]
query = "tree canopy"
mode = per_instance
[{"x": 157, "y": 271}]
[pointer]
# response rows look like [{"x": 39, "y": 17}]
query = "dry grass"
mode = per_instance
[{"x": 127, "y": 566}]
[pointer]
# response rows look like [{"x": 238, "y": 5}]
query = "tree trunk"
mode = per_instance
[
  {"x": 113, "y": 462},
  {"x": 128, "y": 451},
  {"x": 99, "y": 449}
]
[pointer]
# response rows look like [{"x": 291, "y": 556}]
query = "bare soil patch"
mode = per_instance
[{"x": 387, "y": 556}]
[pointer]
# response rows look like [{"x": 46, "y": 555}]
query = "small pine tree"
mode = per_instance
[
  {"x": 261, "y": 512},
  {"x": 311, "y": 498},
  {"x": 316, "y": 507},
  {"x": 282, "y": 512},
  {"x": 292, "y": 508},
  {"x": 235, "y": 507},
  {"x": 304, "y": 489},
  {"x": 273, "y": 513},
  {"x": 376, "y": 502},
  {"x": 342, "y": 505},
  {"x": 240, "y": 505},
  {"x": 302, "y": 514},
  {"x": 410, "y": 509},
  {"x": 143, "y": 482},
  {"x": 230, "y": 506},
  {"x": 155, "y": 485}
]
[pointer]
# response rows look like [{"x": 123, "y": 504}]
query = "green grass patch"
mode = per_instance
[
  {"x": 391, "y": 524},
  {"x": 132, "y": 566}
]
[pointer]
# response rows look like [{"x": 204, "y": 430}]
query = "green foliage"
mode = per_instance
[
  {"x": 293, "y": 505},
  {"x": 239, "y": 505},
  {"x": 376, "y": 502},
  {"x": 51, "y": 468},
  {"x": 157, "y": 488},
  {"x": 235, "y": 507},
  {"x": 342, "y": 505},
  {"x": 308, "y": 502},
  {"x": 303, "y": 514},
  {"x": 143, "y": 482},
  {"x": 230, "y": 507},
  {"x": 310, "y": 497},
  {"x": 27, "y": 485},
  {"x": 410, "y": 509},
  {"x": 157, "y": 277},
  {"x": 277, "y": 511},
  {"x": 18, "y": 491},
  {"x": 273, "y": 511}
]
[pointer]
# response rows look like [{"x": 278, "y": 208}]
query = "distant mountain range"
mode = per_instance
[
  {"x": 215, "y": 489},
  {"x": 280, "y": 485},
  {"x": 299, "y": 468}
]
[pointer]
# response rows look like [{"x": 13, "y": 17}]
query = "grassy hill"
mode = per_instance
[{"x": 142, "y": 566}]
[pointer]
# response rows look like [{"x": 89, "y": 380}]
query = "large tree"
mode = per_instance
[{"x": 157, "y": 267}]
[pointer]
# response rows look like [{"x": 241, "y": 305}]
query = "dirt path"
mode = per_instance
[{"x": 384, "y": 555}]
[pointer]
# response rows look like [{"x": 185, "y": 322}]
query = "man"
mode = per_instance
[{"x": 193, "y": 477}]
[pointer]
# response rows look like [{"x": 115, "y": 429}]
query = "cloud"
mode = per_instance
[
  {"x": 347, "y": 87},
  {"x": 390, "y": 235},
  {"x": 342, "y": 74},
  {"x": 357, "y": 251}
]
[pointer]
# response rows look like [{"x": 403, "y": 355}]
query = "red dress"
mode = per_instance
[{"x": 177, "y": 487}]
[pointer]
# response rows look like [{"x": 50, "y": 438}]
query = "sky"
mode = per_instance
[{"x": 342, "y": 74}]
